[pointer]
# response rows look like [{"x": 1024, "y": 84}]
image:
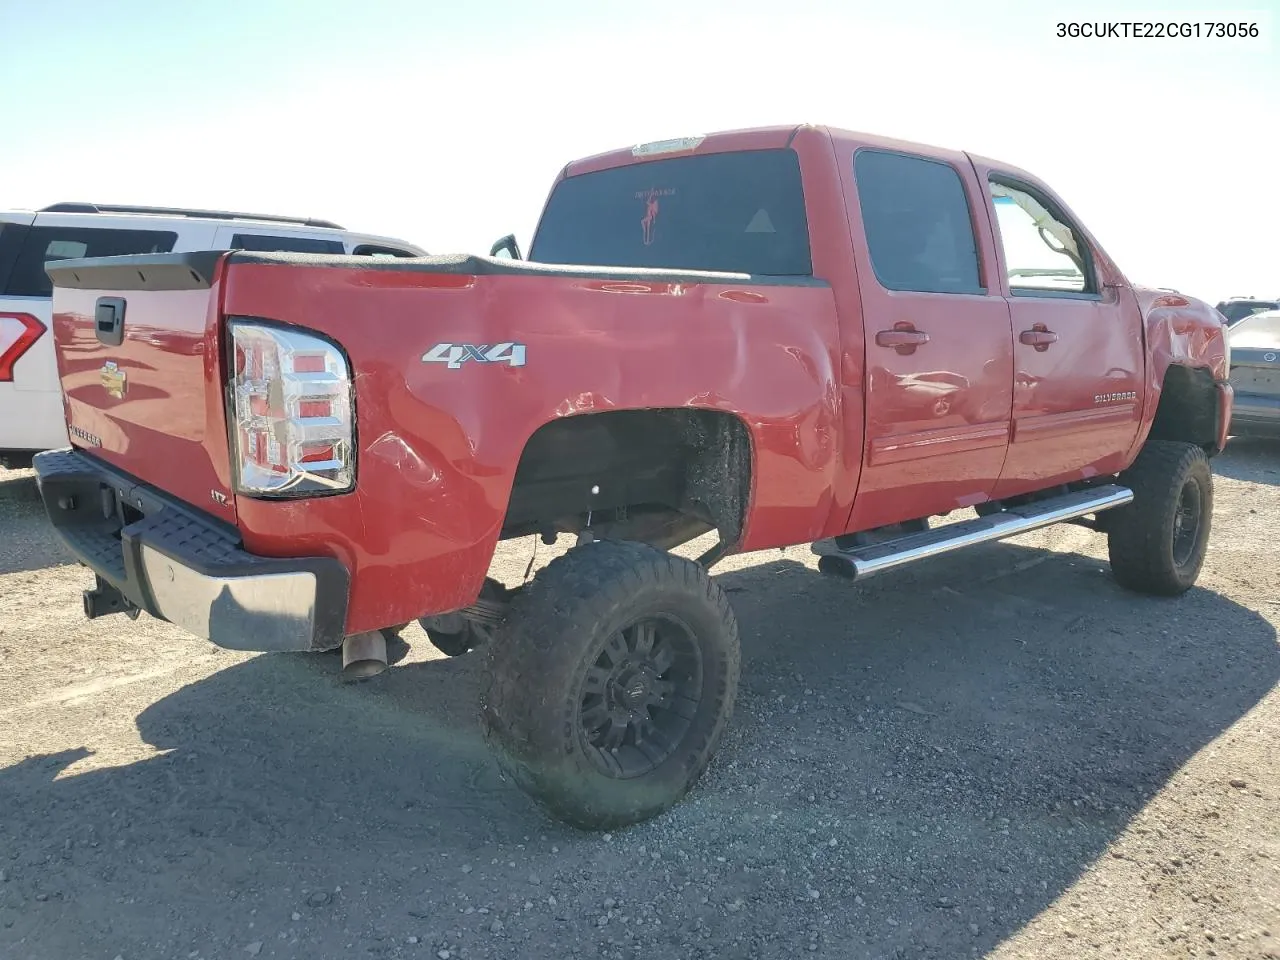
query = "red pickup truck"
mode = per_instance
[{"x": 784, "y": 335}]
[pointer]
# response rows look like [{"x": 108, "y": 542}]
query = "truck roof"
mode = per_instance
[
  {"x": 80, "y": 207},
  {"x": 749, "y": 138},
  {"x": 106, "y": 214}
]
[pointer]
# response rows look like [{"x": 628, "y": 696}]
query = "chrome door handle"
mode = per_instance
[
  {"x": 1039, "y": 336},
  {"x": 903, "y": 338}
]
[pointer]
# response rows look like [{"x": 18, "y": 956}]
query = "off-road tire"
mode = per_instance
[
  {"x": 543, "y": 668},
  {"x": 1148, "y": 541}
]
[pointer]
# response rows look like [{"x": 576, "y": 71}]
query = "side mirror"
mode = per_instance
[{"x": 507, "y": 248}]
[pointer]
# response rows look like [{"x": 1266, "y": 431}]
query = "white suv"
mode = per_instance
[{"x": 31, "y": 413}]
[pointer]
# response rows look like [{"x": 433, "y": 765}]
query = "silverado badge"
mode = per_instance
[{"x": 113, "y": 380}]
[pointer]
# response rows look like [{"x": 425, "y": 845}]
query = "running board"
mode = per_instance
[{"x": 864, "y": 561}]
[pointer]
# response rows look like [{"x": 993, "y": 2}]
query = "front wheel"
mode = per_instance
[
  {"x": 612, "y": 684},
  {"x": 1158, "y": 542}
]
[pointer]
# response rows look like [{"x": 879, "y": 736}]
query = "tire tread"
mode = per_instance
[
  {"x": 570, "y": 597},
  {"x": 1137, "y": 532}
]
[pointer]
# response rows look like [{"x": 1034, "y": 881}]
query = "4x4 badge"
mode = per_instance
[
  {"x": 456, "y": 354},
  {"x": 114, "y": 380}
]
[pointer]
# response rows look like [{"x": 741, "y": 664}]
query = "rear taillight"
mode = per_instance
[
  {"x": 294, "y": 428},
  {"x": 18, "y": 331}
]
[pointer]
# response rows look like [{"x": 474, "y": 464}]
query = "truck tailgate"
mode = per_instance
[{"x": 140, "y": 363}]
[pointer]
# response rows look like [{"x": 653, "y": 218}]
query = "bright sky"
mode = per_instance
[{"x": 417, "y": 119}]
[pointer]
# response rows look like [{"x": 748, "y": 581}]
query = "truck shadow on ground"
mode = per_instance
[
  {"x": 19, "y": 486},
  {"x": 970, "y": 734},
  {"x": 29, "y": 540},
  {"x": 1251, "y": 459}
]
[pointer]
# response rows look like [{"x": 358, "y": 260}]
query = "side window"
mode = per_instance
[
  {"x": 918, "y": 224},
  {"x": 11, "y": 237},
  {"x": 43, "y": 245},
  {"x": 265, "y": 243},
  {"x": 1042, "y": 253},
  {"x": 66, "y": 250},
  {"x": 373, "y": 250}
]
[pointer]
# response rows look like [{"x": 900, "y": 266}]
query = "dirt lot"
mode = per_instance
[{"x": 998, "y": 754}]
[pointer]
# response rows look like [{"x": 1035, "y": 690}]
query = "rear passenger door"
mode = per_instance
[{"x": 939, "y": 366}]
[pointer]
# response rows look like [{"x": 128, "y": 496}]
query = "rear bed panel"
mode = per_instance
[
  {"x": 438, "y": 446},
  {"x": 153, "y": 405},
  {"x": 438, "y": 443}
]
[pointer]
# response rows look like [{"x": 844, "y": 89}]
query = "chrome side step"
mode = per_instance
[{"x": 864, "y": 561}]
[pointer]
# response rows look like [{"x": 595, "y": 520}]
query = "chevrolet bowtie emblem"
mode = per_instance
[{"x": 113, "y": 379}]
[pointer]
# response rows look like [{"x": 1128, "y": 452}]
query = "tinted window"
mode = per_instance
[
  {"x": 11, "y": 237},
  {"x": 916, "y": 218},
  {"x": 264, "y": 243},
  {"x": 1239, "y": 309},
  {"x": 732, "y": 212},
  {"x": 46, "y": 244}
]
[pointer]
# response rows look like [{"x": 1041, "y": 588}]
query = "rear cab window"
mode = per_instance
[
  {"x": 737, "y": 212},
  {"x": 42, "y": 245}
]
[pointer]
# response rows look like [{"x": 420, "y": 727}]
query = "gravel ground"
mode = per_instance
[{"x": 998, "y": 754}]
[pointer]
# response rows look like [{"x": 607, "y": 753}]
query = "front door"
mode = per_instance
[
  {"x": 1077, "y": 345},
  {"x": 939, "y": 367}
]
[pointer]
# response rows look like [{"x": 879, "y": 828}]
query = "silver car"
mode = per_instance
[{"x": 1255, "y": 375}]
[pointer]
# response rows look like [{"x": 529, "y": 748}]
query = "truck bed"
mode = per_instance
[{"x": 439, "y": 443}]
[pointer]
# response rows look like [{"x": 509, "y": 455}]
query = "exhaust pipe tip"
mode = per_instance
[
  {"x": 837, "y": 567},
  {"x": 364, "y": 655}
]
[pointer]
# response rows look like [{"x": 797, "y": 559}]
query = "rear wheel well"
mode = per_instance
[
  {"x": 1188, "y": 408},
  {"x": 662, "y": 477}
]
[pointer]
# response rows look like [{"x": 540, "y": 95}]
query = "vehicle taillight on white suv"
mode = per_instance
[
  {"x": 18, "y": 331},
  {"x": 292, "y": 400}
]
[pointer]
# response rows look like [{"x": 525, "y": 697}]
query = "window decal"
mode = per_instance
[{"x": 651, "y": 207}]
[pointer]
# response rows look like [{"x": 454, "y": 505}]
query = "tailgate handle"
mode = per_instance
[{"x": 108, "y": 320}]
